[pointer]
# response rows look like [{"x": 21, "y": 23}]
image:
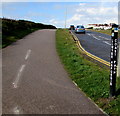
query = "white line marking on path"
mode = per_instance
[
  {"x": 28, "y": 54},
  {"x": 96, "y": 38},
  {"x": 15, "y": 83},
  {"x": 75, "y": 83},
  {"x": 107, "y": 43},
  {"x": 16, "y": 110}
]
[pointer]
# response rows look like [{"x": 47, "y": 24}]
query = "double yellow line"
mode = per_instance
[{"x": 89, "y": 54}]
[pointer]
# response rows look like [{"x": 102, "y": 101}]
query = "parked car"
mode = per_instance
[
  {"x": 72, "y": 27},
  {"x": 80, "y": 29}
]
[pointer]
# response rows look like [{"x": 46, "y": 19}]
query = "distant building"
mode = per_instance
[
  {"x": 111, "y": 24},
  {"x": 100, "y": 26}
]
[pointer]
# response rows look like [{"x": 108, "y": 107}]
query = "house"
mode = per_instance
[{"x": 100, "y": 26}]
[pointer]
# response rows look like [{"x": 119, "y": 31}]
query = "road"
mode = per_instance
[
  {"x": 35, "y": 82},
  {"x": 98, "y": 44}
]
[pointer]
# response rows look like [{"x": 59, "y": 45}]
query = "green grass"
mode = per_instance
[
  {"x": 90, "y": 77},
  {"x": 16, "y": 35},
  {"x": 108, "y": 32},
  {"x": 13, "y": 30}
]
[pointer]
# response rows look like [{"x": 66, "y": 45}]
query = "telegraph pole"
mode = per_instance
[
  {"x": 113, "y": 61},
  {"x": 65, "y": 17}
]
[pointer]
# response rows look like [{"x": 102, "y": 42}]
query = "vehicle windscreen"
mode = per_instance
[
  {"x": 80, "y": 26},
  {"x": 72, "y": 26}
]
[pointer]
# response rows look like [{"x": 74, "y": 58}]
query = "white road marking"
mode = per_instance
[
  {"x": 15, "y": 83},
  {"x": 106, "y": 42},
  {"x": 101, "y": 36},
  {"x": 28, "y": 54},
  {"x": 88, "y": 34},
  {"x": 104, "y": 38},
  {"x": 96, "y": 38}
]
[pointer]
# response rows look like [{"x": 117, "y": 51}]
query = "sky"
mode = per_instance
[{"x": 56, "y": 13}]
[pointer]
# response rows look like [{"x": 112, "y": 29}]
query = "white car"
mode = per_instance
[{"x": 79, "y": 29}]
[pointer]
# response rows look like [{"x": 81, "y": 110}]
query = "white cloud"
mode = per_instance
[
  {"x": 59, "y": 1},
  {"x": 98, "y": 10},
  {"x": 53, "y": 21},
  {"x": 75, "y": 17},
  {"x": 91, "y": 11},
  {"x": 113, "y": 20},
  {"x": 86, "y": 13},
  {"x": 100, "y": 13},
  {"x": 57, "y": 23},
  {"x": 15, "y": 0},
  {"x": 109, "y": 10},
  {"x": 82, "y": 4}
]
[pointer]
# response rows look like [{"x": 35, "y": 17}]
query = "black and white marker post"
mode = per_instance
[{"x": 113, "y": 61}]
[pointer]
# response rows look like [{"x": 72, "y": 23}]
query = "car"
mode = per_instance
[
  {"x": 80, "y": 29},
  {"x": 72, "y": 27}
]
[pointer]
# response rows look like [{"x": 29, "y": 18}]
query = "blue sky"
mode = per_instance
[{"x": 54, "y": 12}]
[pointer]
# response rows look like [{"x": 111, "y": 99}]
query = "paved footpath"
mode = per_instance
[{"x": 35, "y": 82}]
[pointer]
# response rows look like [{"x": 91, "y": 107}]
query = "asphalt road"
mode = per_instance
[
  {"x": 35, "y": 82},
  {"x": 98, "y": 44}
]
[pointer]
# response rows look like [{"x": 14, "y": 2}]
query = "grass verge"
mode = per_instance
[
  {"x": 90, "y": 77},
  {"x": 16, "y": 35}
]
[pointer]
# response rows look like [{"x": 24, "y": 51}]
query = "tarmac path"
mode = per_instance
[{"x": 35, "y": 82}]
